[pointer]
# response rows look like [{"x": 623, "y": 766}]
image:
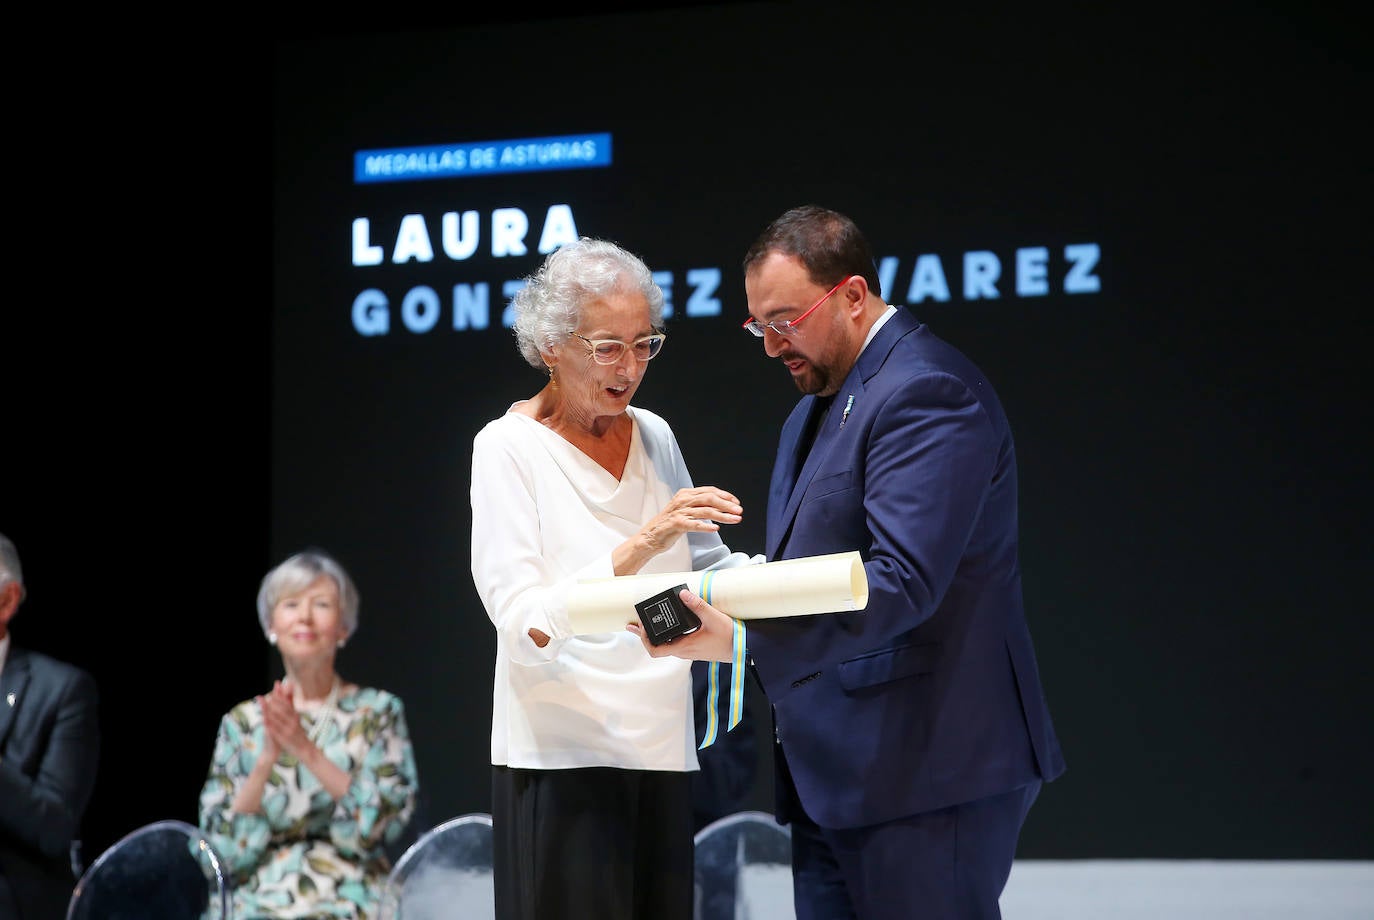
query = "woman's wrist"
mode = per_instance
[{"x": 630, "y": 556}]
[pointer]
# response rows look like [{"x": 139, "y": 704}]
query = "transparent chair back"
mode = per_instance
[
  {"x": 744, "y": 869},
  {"x": 162, "y": 871},
  {"x": 446, "y": 873}
]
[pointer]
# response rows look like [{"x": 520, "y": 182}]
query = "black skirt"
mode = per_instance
[{"x": 594, "y": 842}]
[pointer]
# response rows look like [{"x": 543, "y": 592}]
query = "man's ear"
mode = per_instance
[{"x": 855, "y": 294}]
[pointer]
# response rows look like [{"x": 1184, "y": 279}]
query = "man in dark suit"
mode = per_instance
[
  {"x": 913, "y": 736},
  {"x": 49, "y": 747}
]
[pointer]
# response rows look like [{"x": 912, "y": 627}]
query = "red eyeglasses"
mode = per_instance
[{"x": 789, "y": 326}]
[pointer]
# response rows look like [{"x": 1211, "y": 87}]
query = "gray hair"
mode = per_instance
[
  {"x": 295, "y": 575},
  {"x": 10, "y": 569},
  {"x": 550, "y": 303}
]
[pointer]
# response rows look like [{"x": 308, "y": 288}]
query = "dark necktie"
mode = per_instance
[{"x": 819, "y": 412}]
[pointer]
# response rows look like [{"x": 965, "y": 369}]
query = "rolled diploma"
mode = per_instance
[{"x": 791, "y": 587}]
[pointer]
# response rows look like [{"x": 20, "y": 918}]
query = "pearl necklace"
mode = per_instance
[{"x": 324, "y": 716}]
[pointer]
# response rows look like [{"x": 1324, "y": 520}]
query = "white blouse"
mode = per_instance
[{"x": 545, "y": 515}]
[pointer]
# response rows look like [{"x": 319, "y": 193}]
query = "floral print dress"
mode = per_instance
[{"x": 306, "y": 855}]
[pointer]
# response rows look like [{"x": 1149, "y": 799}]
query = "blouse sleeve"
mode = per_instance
[
  {"x": 239, "y": 839},
  {"x": 508, "y": 564},
  {"x": 381, "y": 798}
]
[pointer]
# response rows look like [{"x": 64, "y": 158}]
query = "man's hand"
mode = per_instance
[{"x": 715, "y": 641}]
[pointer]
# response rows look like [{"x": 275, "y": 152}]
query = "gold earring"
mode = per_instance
[{"x": 553, "y": 378}]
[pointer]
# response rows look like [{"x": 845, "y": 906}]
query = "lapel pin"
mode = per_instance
[
  {"x": 849, "y": 404},
  {"x": 9, "y": 697}
]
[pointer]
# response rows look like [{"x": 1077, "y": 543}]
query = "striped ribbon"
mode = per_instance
[{"x": 713, "y": 676}]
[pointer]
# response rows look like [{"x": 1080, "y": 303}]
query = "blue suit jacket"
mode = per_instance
[
  {"x": 49, "y": 750},
  {"x": 931, "y": 695}
]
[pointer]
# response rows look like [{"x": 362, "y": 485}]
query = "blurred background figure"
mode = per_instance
[
  {"x": 49, "y": 752},
  {"x": 312, "y": 780}
]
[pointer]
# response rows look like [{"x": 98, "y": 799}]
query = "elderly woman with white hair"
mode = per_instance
[
  {"x": 592, "y": 740},
  {"x": 310, "y": 781}
]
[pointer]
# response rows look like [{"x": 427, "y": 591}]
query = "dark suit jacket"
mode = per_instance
[
  {"x": 931, "y": 695},
  {"x": 49, "y": 748}
]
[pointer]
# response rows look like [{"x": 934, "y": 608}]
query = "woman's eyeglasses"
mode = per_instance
[
  {"x": 789, "y": 326},
  {"x": 609, "y": 351}
]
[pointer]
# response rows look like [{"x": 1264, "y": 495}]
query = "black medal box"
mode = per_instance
[{"x": 665, "y": 616}]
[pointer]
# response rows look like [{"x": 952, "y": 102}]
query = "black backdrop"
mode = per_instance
[{"x": 190, "y": 402}]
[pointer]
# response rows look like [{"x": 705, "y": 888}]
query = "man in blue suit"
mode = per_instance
[
  {"x": 49, "y": 748},
  {"x": 911, "y": 737}
]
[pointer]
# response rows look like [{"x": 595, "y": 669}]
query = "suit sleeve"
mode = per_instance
[
  {"x": 930, "y": 466},
  {"x": 43, "y": 812}
]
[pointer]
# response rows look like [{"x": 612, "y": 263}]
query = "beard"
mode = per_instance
[{"x": 813, "y": 380}]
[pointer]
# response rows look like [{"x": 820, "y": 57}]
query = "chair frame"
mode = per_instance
[
  {"x": 413, "y": 851},
  {"x": 742, "y": 820},
  {"x": 191, "y": 831},
  {"x": 740, "y": 817}
]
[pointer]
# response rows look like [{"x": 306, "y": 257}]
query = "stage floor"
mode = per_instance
[
  {"x": 1142, "y": 890},
  {"x": 1189, "y": 890}
]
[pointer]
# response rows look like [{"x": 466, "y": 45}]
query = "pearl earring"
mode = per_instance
[
  {"x": 272, "y": 638},
  {"x": 341, "y": 642}
]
